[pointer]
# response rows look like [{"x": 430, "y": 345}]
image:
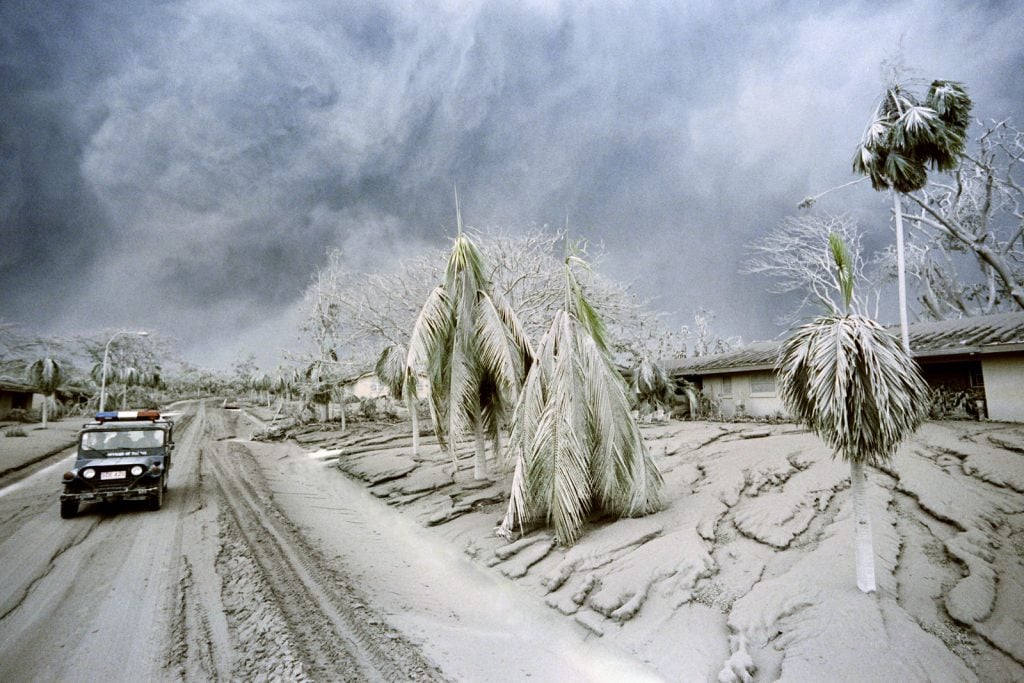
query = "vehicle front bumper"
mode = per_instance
[{"x": 112, "y": 494}]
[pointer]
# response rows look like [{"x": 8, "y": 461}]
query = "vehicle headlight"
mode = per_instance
[
  {"x": 88, "y": 473},
  {"x": 137, "y": 470}
]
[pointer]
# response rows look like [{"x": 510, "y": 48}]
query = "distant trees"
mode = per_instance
[
  {"x": 17, "y": 349},
  {"x": 360, "y": 313},
  {"x": 132, "y": 361}
]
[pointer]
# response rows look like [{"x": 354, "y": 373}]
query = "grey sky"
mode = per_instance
[{"x": 185, "y": 166}]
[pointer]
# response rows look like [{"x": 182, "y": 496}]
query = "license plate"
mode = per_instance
[{"x": 117, "y": 474}]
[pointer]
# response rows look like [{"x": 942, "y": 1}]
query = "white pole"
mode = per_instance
[{"x": 901, "y": 270}]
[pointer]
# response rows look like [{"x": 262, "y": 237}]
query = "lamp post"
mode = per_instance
[{"x": 106, "y": 353}]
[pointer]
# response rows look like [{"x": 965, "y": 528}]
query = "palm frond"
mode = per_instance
[
  {"x": 844, "y": 266},
  {"x": 575, "y": 442},
  {"x": 904, "y": 173},
  {"x": 45, "y": 375},
  {"x": 650, "y": 381},
  {"x": 850, "y": 381},
  {"x": 906, "y": 136},
  {"x": 392, "y": 371},
  {"x": 431, "y": 330},
  {"x": 950, "y": 100},
  {"x": 502, "y": 355}
]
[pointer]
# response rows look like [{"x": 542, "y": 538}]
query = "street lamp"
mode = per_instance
[{"x": 106, "y": 353}]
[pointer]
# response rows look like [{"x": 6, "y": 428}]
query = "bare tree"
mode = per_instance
[
  {"x": 795, "y": 253},
  {"x": 359, "y": 314},
  {"x": 705, "y": 341},
  {"x": 978, "y": 211}
]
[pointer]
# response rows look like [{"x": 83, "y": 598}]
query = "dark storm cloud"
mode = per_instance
[{"x": 205, "y": 155}]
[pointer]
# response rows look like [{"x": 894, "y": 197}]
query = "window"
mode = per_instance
[
  {"x": 977, "y": 378},
  {"x": 726, "y": 385},
  {"x": 762, "y": 383}
]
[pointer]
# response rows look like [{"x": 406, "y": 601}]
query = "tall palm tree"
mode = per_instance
[
  {"x": 906, "y": 135},
  {"x": 45, "y": 375},
  {"x": 128, "y": 377},
  {"x": 474, "y": 352},
  {"x": 853, "y": 384},
  {"x": 574, "y": 445},
  {"x": 400, "y": 379}
]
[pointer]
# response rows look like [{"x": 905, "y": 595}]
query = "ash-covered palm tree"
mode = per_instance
[
  {"x": 394, "y": 372},
  {"x": 852, "y": 383},
  {"x": 906, "y": 135},
  {"x": 45, "y": 376},
  {"x": 574, "y": 447},
  {"x": 650, "y": 382},
  {"x": 128, "y": 377},
  {"x": 320, "y": 386},
  {"x": 473, "y": 349},
  {"x": 261, "y": 383}
]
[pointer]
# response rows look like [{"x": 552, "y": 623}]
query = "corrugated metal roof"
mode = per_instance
[
  {"x": 756, "y": 356},
  {"x": 1002, "y": 332},
  {"x": 10, "y": 385},
  {"x": 967, "y": 334}
]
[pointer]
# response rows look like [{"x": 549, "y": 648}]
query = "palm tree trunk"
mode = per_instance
[
  {"x": 414, "y": 414},
  {"x": 901, "y": 274},
  {"x": 864, "y": 553},
  {"x": 480, "y": 460},
  {"x": 498, "y": 457},
  {"x": 46, "y": 406}
]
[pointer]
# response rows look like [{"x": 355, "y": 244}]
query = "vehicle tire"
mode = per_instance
[
  {"x": 156, "y": 501},
  {"x": 165, "y": 481},
  {"x": 68, "y": 508}
]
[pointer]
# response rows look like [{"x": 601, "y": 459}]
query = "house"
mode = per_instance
[
  {"x": 979, "y": 362},
  {"x": 367, "y": 385},
  {"x": 14, "y": 396},
  {"x": 18, "y": 396}
]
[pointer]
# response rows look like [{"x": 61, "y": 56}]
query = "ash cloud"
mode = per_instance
[{"x": 206, "y": 155}]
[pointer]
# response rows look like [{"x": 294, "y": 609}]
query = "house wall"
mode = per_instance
[
  {"x": 10, "y": 400},
  {"x": 1004, "y": 386},
  {"x": 716, "y": 387},
  {"x": 368, "y": 386},
  {"x": 755, "y": 392}
]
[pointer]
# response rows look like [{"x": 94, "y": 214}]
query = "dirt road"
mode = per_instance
[{"x": 217, "y": 585}]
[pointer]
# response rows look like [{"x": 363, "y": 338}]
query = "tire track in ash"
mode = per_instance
[
  {"x": 333, "y": 631},
  {"x": 199, "y": 646}
]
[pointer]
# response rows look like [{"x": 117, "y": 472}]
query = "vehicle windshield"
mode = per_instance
[{"x": 122, "y": 439}]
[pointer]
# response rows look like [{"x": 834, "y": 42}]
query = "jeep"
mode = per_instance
[{"x": 123, "y": 455}]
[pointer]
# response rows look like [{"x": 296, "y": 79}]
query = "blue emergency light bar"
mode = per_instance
[{"x": 127, "y": 415}]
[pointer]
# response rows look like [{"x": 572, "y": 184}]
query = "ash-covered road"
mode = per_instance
[{"x": 217, "y": 585}]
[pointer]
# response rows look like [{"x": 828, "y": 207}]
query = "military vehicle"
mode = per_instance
[{"x": 122, "y": 455}]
